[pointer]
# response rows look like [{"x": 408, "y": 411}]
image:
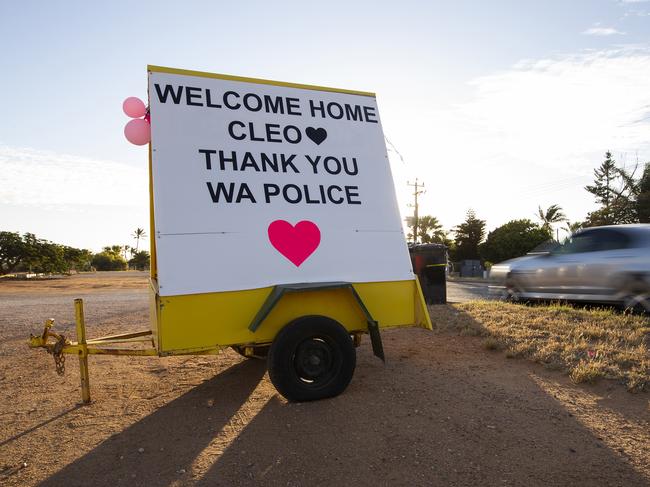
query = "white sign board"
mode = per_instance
[{"x": 259, "y": 183}]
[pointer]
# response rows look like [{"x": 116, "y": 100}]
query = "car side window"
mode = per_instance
[
  {"x": 595, "y": 241},
  {"x": 611, "y": 240}
]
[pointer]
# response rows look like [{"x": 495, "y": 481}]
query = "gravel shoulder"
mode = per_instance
[{"x": 443, "y": 410}]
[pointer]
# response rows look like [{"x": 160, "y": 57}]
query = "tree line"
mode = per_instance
[
  {"x": 27, "y": 253},
  {"x": 620, "y": 195}
]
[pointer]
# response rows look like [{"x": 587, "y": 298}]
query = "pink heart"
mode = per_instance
[{"x": 297, "y": 242}]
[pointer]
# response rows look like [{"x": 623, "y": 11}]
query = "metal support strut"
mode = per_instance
[
  {"x": 84, "y": 347},
  {"x": 83, "y": 350},
  {"x": 280, "y": 290}
]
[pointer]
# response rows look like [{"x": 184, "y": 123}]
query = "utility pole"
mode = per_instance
[{"x": 418, "y": 190}]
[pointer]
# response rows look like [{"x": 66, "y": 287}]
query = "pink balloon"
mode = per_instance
[
  {"x": 138, "y": 131},
  {"x": 134, "y": 107}
]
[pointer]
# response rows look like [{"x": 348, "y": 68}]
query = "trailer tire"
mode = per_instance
[{"x": 312, "y": 358}]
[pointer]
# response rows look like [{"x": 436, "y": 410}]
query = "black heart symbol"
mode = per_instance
[{"x": 317, "y": 135}]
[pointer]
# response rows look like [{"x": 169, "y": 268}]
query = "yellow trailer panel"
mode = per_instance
[{"x": 198, "y": 321}]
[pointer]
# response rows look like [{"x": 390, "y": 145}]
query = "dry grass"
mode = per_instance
[{"x": 587, "y": 344}]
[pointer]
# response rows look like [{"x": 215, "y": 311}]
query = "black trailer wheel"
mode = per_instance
[
  {"x": 259, "y": 352},
  {"x": 313, "y": 357}
]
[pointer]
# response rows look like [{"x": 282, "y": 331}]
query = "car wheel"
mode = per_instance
[
  {"x": 313, "y": 357},
  {"x": 512, "y": 291},
  {"x": 637, "y": 302}
]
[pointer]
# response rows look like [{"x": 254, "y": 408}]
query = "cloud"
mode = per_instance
[
  {"x": 565, "y": 107},
  {"x": 634, "y": 8},
  {"x": 32, "y": 177},
  {"x": 533, "y": 133},
  {"x": 602, "y": 31}
]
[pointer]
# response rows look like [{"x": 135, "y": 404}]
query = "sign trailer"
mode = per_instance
[{"x": 275, "y": 231}]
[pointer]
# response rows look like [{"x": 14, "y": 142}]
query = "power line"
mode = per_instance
[
  {"x": 394, "y": 149},
  {"x": 561, "y": 183}
]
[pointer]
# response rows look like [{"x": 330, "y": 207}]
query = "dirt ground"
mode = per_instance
[{"x": 441, "y": 411}]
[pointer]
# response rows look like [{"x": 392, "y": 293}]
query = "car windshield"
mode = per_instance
[
  {"x": 583, "y": 242},
  {"x": 594, "y": 241}
]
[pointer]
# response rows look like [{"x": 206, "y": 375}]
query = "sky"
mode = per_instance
[{"x": 498, "y": 106}]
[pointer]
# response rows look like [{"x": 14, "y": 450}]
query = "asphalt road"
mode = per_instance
[{"x": 461, "y": 291}]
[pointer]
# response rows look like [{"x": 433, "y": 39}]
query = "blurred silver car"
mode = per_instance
[{"x": 601, "y": 264}]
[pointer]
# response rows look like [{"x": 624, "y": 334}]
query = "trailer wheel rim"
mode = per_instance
[{"x": 315, "y": 361}]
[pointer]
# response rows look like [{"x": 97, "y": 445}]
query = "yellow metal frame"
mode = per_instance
[
  {"x": 259, "y": 81},
  {"x": 84, "y": 347}
]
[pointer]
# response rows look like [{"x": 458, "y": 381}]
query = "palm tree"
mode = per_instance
[
  {"x": 554, "y": 214},
  {"x": 137, "y": 235},
  {"x": 573, "y": 227},
  {"x": 429, "y": 230}
]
